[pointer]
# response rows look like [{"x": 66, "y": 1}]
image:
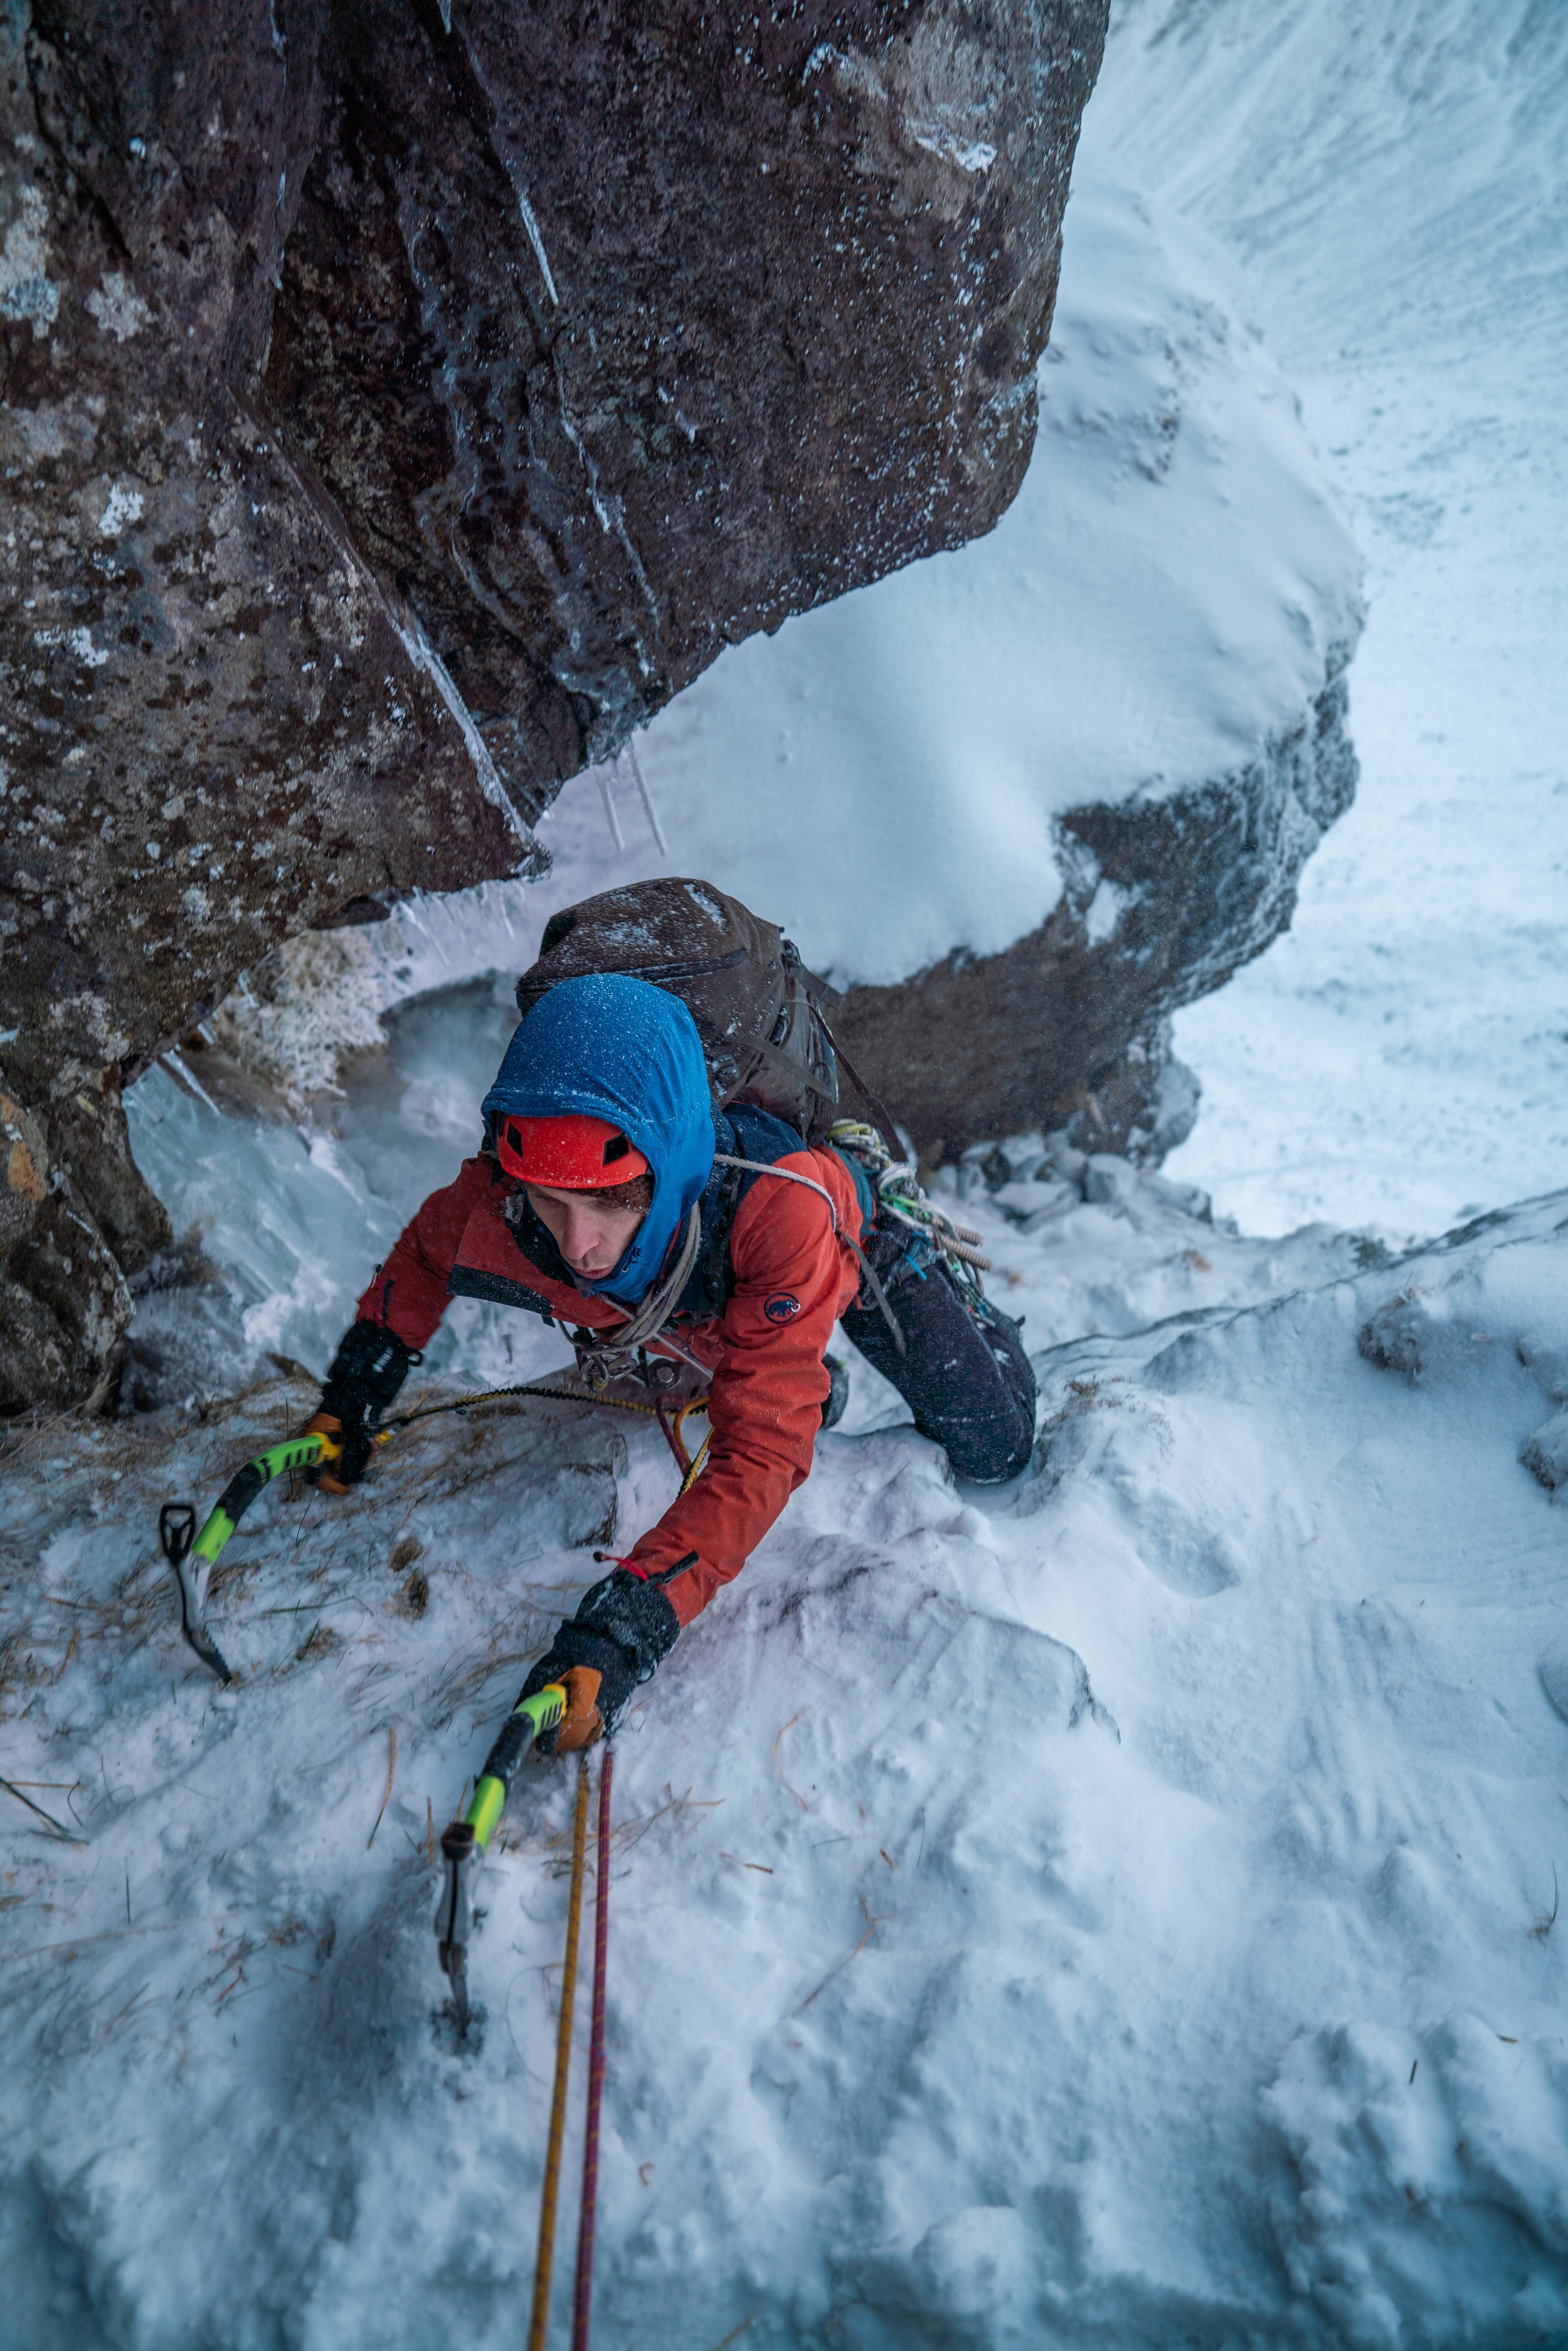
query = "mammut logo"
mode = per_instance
[{"x": 782, "y": 1308}]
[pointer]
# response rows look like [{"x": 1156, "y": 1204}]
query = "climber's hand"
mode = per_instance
[
  {"x": 622, "y": 1629},
  {"x": 370, "y": 1366},
  {"x": 335, "y": 1472}
]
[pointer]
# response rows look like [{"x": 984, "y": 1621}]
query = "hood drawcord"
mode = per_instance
[{"x": 602, "y": 1358}]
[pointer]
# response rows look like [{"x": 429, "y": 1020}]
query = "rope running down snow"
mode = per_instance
[
  {"x": 582, "y": 2300},
  {"x": 545, "y": 2260}
]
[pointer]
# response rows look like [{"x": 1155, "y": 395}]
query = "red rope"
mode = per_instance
[
  {"x": 583, "y": 2298},
  {"x": 673, "y": 1436},
  {"x": 538, "y": 2321}
]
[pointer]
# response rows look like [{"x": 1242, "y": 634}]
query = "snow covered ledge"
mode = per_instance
[
  {"x": 1022, "y": 799},
  {"x": 1132, "y": 731},
  {"x": 1064, "y": 780}
]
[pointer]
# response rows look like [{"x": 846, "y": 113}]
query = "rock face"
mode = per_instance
[
  {"x": 401, "y": 404},
  {"x": 1025, "y": 800},
  {"x": 1070, "y": 1029}
]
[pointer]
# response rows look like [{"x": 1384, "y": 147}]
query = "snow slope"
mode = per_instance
[
  {"x": 1115, "y": 1909},
  {"x": 1391, "y": 179}
]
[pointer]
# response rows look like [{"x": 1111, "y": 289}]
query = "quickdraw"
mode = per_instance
[{"x": 903, "y": 1199}]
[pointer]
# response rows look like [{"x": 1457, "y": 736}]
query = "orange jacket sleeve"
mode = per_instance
[
  {"x": 409, "y": 1294},
  {"x": 793, "y": 1277}
]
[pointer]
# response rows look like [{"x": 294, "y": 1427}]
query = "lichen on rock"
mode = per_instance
[{"x": 399, "y": 406}]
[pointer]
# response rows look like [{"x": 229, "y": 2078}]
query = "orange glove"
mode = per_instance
[
  {"x": 582, "y": 1723},
  {"x": 326, "y": 1424},
  {"x": 365, "y": 1374}
]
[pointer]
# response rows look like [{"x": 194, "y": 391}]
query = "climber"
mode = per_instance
[{"x": 604, "y": 1197}]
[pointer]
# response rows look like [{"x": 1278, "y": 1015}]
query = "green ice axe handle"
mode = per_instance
[
  {"x": 193, "y": 1560},
  {"x": 528, "y": 1720},
  {"x": 294, "y": 1453},
  {"x": 465, "y": 1840}
]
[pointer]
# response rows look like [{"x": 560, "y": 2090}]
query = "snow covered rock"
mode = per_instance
[
  {"x": 399, "y": 406},
  {"x": 1026, "y": 798},
  {"x": 1402, "y": 1336},
  {"x": 63, "y": 1298},
  {"x": 1023, "y": 799},
  {"x": 1115, "y": 1909},
  {"x": 1152, "y": 740}
]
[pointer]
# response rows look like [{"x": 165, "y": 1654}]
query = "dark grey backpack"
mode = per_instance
[{"x": 760, "y": 1014}]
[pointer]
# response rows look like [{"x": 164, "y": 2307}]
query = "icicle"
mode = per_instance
[
  {"x": 176, "y": 1067},
  {"x": 610, "y": 809},
  {"x": 653, "y": 824}
]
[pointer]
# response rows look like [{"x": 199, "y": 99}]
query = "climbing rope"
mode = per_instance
[
  {"x": 545, "y": 2260},
  {"x": 689, "y": 1465},
  {"x": 582, "y": 2298},
  {"x": 193, "y": 1556}
]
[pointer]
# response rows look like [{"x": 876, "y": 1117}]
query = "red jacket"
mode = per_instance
[{"x": 793, "y": 1277}]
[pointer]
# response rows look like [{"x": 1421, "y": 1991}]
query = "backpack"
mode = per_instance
[{"x": 759, "y": 1013}]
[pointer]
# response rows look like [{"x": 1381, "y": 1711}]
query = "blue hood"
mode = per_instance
[{"x": 624, "y": 1050}]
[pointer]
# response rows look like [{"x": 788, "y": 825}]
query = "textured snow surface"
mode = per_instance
[
  {"x": 1391, "y": 179},
  {"x": 1116, "y": 1908}
]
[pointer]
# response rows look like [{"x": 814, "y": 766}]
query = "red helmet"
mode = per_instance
[{"x": 574, "y": 1154}]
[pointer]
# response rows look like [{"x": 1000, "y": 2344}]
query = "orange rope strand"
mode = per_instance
[{"x": 545, "y": 2261}]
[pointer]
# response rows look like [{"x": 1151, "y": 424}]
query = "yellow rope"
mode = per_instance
[
  {"x": 692, "y": 1465},
  {"x": 545, "y": 2261},
  {"x": 697, "y": 1404},
  {"x": 496, "y": 1396}
]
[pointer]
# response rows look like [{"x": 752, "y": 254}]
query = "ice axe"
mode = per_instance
[
  {"x": 193, "y": 1556},
  {"x": 465, "y": 1843}
]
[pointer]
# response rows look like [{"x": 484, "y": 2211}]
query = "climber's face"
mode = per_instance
[{"x": 592, "y": 1230}]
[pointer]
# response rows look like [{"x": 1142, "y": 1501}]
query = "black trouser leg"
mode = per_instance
[{"x": 965, "y": 1374}]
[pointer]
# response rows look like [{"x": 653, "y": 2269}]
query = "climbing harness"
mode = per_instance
[
  {"x": 193, "y": 1556},
  {"x": 544, "y": 2261}
]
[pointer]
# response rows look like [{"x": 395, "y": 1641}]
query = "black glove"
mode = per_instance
[
  {"x": 367, "y": 1370},
  {"x": 623, "y": 1628}
]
